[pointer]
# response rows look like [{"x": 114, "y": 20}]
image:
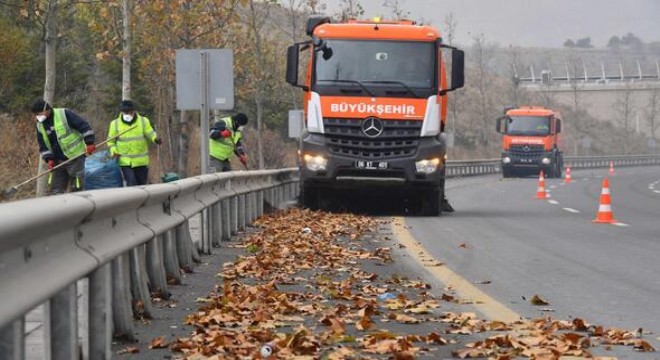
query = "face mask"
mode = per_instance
[
  {"x": 41, "y": 118},
  {"x": 127, "y": 117},
  {"x": 240, "y": 128}
]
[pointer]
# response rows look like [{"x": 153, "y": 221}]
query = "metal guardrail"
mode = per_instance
[
  {"x": 121, "y": 242},
  {"x": 492, "y": 166},
  {"x": 127, "y": 243}
]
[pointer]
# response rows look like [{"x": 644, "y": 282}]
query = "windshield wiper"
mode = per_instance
[
  {"x": 404, "y": 85},
  {"x": 351, "y": 82}
]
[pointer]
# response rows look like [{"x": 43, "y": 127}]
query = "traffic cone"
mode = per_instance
[
  {"x": 605, "y": 215},
  {"x": 611, "y": 167},
  {"x": 540, "y": 191},
  {"x": 568, "y": 179}
]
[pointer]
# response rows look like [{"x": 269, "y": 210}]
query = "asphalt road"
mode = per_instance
[{"x": 513, "y": 246}]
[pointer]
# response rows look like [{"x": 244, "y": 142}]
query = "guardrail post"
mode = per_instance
[
  {"x": 250, "y": 207},
  {"x": 260, "y": 203},
  {"x": 171, "y": 259},
  {"x": 100, "y": 313},
  {"x": 194, "y": 251},
  {"x": 288, "y": 192},
  {"x": 253, "y": 206},
  {"x": 241, "y": 211},
  {"x": 156, "y": 267},
  {"x": 139, "y": 288},
  {"x": 205, "y": 231},
  {"x": 183, "y": 246},
  {"x": 122, "y": 314},
  {"x": 216, "y": 223},
  {"x": 61, "y": 324},
  {"x": 233, "y": 204},
  {"x": 226, "y": 219},
  {"x": 267, "y": 202},
  {"x": 12, "y": 341}
]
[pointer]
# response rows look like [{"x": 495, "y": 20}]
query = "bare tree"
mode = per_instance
[
  {"x": 483, "y": 54},
  {"x": 625, "y": 110},
  {"x": 50, "y": 42},
  {"x": 126, "y": 8},
  {"x": 257, "y": 15},
  {"x": 315, "y": 6},
  {"x": 397, "y": 9},
  {"x": 652, "y": 112},
  {"x": 350, "y": 9},
  {"x": 448, "y": 36}
]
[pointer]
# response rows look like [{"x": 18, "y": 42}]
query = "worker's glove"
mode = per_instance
[
  {"x": 225, "y": 133},
  {"x": 51, "y": 164},
  {"x": 243, "y": 159},
  {"x": 90, "y": 149},
  {"x": 158, "y": 141}
]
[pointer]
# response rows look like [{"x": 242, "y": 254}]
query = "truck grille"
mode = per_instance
[
  {"x": 399, "y": 138},
  {"x": 527, "y": 151}
]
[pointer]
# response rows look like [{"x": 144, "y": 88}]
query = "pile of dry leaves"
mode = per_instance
[{"x": 300, "y": 292}]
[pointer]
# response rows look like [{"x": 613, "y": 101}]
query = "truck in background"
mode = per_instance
[
  {"x": 375, "y": 103},
  {"x": 531, "y": 142}
]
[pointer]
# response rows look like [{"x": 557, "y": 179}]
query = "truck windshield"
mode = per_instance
[
  {"x": 399, "y": 67},
  {"x": 528, "y": 125}
]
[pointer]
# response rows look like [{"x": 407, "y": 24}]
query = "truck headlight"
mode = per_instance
[
  {"x": 506, "y": 160},
  {"x": 545, "y": 161},
  {"x": 315, "y": 163},
  {"x": 427, "y": 166}
]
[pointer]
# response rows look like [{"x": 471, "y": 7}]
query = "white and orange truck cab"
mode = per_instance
[
  {"x": 531, "y": 142},
  {"x": 375, "y": 95}
]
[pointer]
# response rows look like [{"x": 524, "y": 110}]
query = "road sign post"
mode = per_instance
[{"x": 204, "y": 81}]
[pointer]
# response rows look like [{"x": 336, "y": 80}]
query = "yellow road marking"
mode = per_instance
[{"x": 485, "y": 304}]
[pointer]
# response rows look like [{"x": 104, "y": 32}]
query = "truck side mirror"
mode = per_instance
[
  {"x": 499, "y": 124},
  {"x": 292, "y": 64},
  {"x": 558, "y": 126},
  {"x": 457, "y": 69}
]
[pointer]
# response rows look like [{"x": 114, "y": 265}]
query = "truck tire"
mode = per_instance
[
  {"x": 506, "y": 172},
  {"x": 560, "y": 165},
  {"x": 309, "y": 197},
  {"x": 429, "y": 202}
]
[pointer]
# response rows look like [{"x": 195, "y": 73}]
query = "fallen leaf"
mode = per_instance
[
  {"x": 128, "y": 350},
  {"x": 158, "y": 343},
  {"x": 537, "y": 300}
]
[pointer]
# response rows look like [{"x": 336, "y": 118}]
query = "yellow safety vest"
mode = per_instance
[
  {"x": 133, "y": 145},
  {"x": 71, "y": 141},
  {"x": 223, "y": 148}
]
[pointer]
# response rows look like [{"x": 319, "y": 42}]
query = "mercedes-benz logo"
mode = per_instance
[
  {"x": 526, "y": 148},
  {"x": 372, "y": 127}
]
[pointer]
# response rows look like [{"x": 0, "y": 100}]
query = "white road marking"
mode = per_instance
[
  {"x": 572, "y": 210},
  {"x": 554, "y": 202},
  {"x": 620, "y": 224}
]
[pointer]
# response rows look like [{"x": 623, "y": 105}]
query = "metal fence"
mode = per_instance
[
  {"x": 493, "y": 166},
  {"x": 127, "y": 243}
]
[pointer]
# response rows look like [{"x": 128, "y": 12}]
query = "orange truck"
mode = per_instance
[
  {"x": 531, "y": 142},
  {"x": 375, "y": 95}
]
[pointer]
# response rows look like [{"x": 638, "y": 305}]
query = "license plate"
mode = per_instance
[
  {"x": 371, "y": 165},
  {"x": 526, "y": 161}
]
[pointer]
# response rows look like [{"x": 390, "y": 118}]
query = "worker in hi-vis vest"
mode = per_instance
[
  {"x": 131, "y": 148},
  {"x": 226, "y": 136},
  {"x": 63, "y": 135}
]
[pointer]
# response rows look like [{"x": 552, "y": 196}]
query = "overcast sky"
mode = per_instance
[{"x": 542, "y": 23}]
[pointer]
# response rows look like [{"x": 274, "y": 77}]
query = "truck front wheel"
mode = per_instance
[
  {"x": 309, "y": 197},
  {"x": 428, "y": 203}
]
